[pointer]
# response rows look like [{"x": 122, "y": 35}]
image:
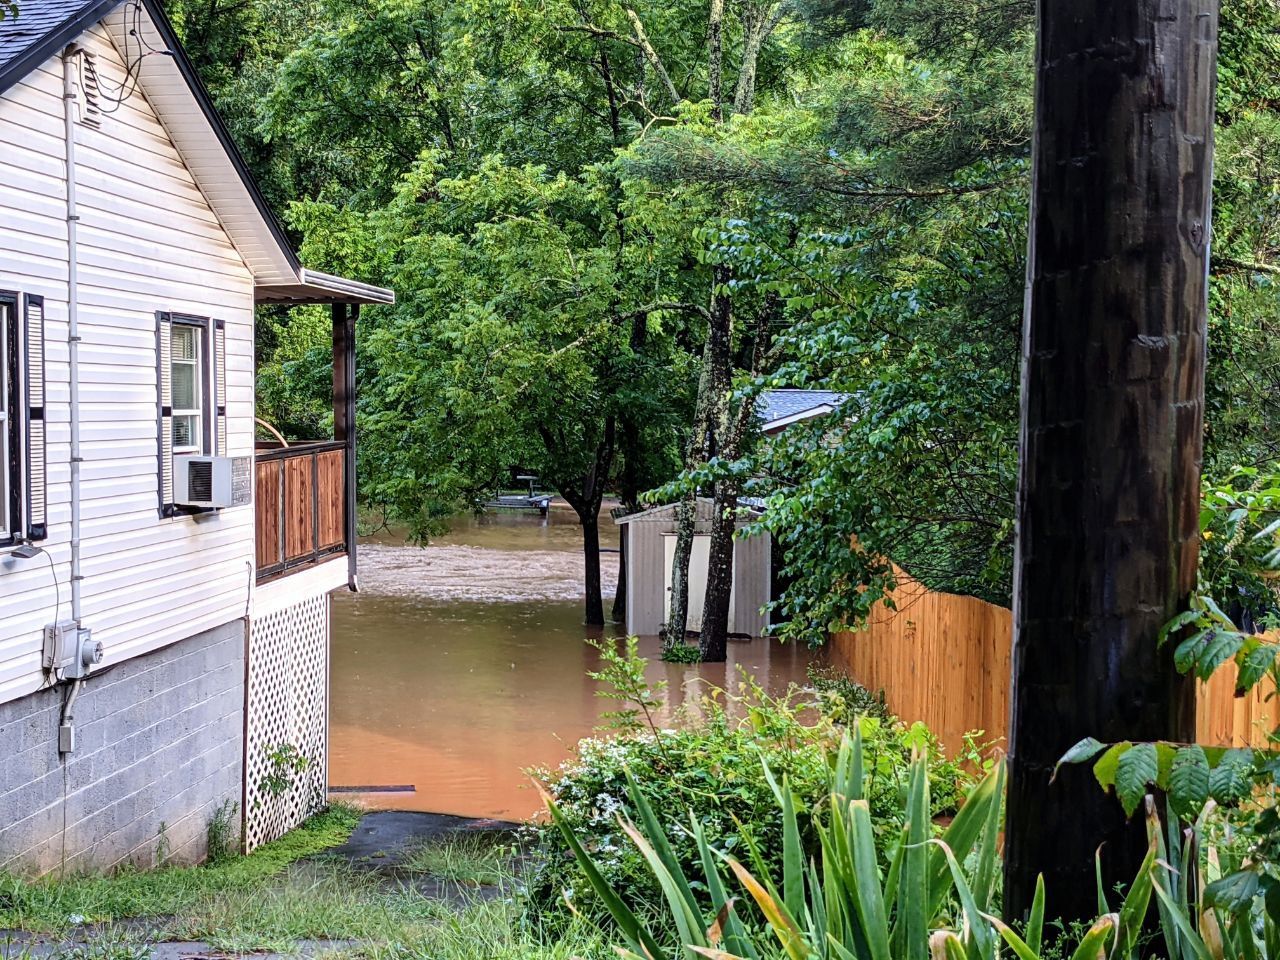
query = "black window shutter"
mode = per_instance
[
  {"x": 164, "y": 396},
  {"x": 36, "y": 431}
]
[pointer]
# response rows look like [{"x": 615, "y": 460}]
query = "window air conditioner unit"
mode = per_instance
[{"x": 212, "y": 482}]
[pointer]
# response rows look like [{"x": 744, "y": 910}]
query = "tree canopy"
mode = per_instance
[{"x": 551, "y": 189}]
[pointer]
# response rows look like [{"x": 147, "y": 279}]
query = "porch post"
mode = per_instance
[{"x": 344, "y": 417}]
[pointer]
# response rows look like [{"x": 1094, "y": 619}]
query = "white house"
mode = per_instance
[{"x": 164, "y": 579}]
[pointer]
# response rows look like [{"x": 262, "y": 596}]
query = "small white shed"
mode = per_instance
[{"x": 648, "y": 545}]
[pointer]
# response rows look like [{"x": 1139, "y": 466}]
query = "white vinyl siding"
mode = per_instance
[{"x": 149, "y": 242}]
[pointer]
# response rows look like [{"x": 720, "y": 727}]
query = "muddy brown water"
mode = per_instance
[{"x": 460, "y": 665}]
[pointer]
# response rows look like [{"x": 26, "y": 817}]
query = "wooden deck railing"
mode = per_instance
[{"x": 301, "y": 506}]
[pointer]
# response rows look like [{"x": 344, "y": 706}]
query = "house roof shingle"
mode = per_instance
[{"x": 40, "y": 29}]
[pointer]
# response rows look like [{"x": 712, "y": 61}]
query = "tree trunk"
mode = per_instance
[
  {"x": 701, "y": 448},
  {"x": 619, "y": 612},
  {"x": 629, "y": 494},
  {"x": 715, "y": 58},
  {"x": 584, "y": 493},
  {"x": 591, "y": 556},
  {"x": 1112, "y": 417},
  {"x": 713, "y": 642},
  {"x": 678, "y": 609},
  {"x": 711, "y": 414},
  {"x": 718, "y": 373}
]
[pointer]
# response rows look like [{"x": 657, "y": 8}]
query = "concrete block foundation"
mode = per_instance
[{"x": 159, "y": 749}]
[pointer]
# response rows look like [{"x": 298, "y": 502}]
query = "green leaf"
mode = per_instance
[
  {"x": 1232, "y": 779},
  {"x": 869, "y": 900},
  {"x": 1233, "y": 893},
  {"x": 1176, "y": 624},
  {"x": 1254, "y": 666},
  {"x": 1105, "y": 769},
  {"x": 1035, "y": 923},
  {"x": 1021, "y": 949},
  {"x": 636, "y": 933},
  {"x": 1175, "y": 917},
  {"x": 978, "y": 930},
  {"x": 964, "y": 832},
  {"x": 1133, "y": 912},
  {"x": 1086, "y": 749},
  {"x": 1206, "y": 650},
  {"x": 1092, "y": 945},
  {"x": 911, "y": 931},
  {"x": 1189, "y": 782},
  {"x": 1135, "y": 769}
]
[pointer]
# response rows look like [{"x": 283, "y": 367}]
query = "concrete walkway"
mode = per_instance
[{"x": 382, "y": 839}]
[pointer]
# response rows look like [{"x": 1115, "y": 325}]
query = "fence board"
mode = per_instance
[
  {"x": 331, "y": 502},
  {"x": 299, "y": 508},
  {"x": 267, "y": 506},
  {"x": 947, "y": 660}
]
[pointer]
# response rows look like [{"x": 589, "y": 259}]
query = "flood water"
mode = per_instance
[{"x": 462, "y": 664}]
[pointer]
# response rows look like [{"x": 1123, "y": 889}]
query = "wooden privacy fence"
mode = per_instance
[
  {"x": 301, "y": 505},
  {"x": 945, "y": 659}
]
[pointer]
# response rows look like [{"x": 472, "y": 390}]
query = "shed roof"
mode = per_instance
[
  {"x": 43, "y": 28},
  {"x": 667, "y": 511},
  {"x": 781, "y": 408}
]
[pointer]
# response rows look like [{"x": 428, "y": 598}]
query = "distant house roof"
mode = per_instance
[
  {"x": 43, "y": 28},
  {"x": 781, "y": 408}
]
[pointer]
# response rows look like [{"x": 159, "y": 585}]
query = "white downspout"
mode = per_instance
[
  {"x": 69, "y": 108},
  {"x": 66, "y": 725}
]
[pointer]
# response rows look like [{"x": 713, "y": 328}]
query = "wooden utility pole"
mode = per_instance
[{"x": 1112, "y": 416}]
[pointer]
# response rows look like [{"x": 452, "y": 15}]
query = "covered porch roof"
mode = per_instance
[{"x": 316, "y": 287}]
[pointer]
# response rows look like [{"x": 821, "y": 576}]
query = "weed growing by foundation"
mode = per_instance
[{"x": 222, "y": 834}]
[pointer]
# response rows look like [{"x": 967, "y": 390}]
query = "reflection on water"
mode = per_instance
[{"x": 460, "y": 665}]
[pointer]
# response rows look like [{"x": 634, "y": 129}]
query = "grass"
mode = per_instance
[
  {"x": 476, "y": 861},
  {"x": 52, "y": 905},
  {"x": 271, "y": 901},
  {"x": 491, "y": 930}
]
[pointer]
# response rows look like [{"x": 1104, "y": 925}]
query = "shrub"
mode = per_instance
[
  {"x": 938, "y": 898},
  {"x": 844, "y": 698},
  {"x": 840, "y": 902},
  {"x": 713, "y": 769}
]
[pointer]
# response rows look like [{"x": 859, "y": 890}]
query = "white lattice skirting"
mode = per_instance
[{"x": 287, "y": 710}]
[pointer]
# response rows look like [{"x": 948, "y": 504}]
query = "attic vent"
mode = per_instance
[
  {"x": 90, "y": 98},
  {"x": 200, "y": 481}
]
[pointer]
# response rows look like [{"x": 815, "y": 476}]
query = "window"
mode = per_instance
[
  {"x": 191, "y": 379},
  {"x": 188, "y": 383}
]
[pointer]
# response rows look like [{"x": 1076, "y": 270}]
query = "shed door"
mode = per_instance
[{"x": 697, "y": 578}]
